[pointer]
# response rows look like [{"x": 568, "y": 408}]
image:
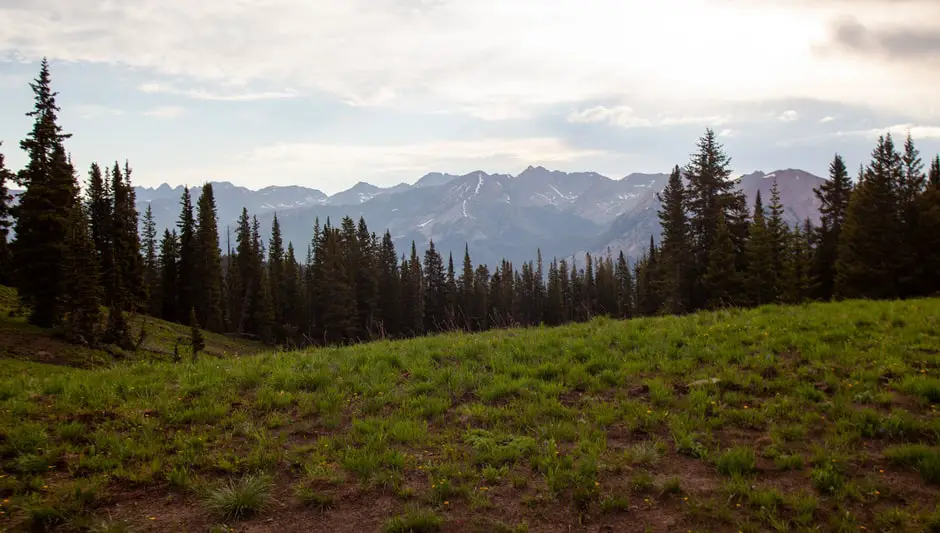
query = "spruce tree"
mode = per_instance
[
  {"x": 760, "y": 277},
  {"x": 188, "y": 259},
  {"x": 169, "y": 276},
  {"x": 833, "y": 196},
  {"x": 197, "y": 341},
  {"x": 151, "y": 273},
  {"x": 276, "y": 278},
  {"x": 99, "y": 203},
  {"x": 912, "y": 278},
  {"x": 389, "y": 303},
  {"x": 45, "y": 212},
  {"x": 467, "y": 288},
  {"x": 207, "y": 267},
  {"x": 625, "y": 288},
  {"x": 292, "y": 295},
  {"x": 365, "y": 280},
  {"x": 451, "y": 296},
  {"x": 928, "y": 208},
  {"x": 796, "y": 281},
  {"x": 260, "y": 314},
  {"x": 934, "y": 176},
  {"x": 83, "y": 289},
  {"x": 778, "y": 233},
  {"x": 435, "y": 312},
  {"x": 676, "y": 260},
  {"x": 711, "y": 197},
  {"x": 867, "y": 264},
  {"x": 554, "y": 301},
  {"x": 721, "y": 279},
  {"x": 5, "y": 200}
]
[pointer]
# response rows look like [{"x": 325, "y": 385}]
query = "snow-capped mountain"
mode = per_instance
[{"x": 496, "y": 215}]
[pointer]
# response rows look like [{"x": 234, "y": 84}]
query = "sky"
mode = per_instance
[{"x": 326, "y": 93}]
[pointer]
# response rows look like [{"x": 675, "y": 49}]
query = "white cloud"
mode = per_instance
[
  {"x": 165, "y": 112},
  {"x": 788, "y": 116},
  {"x": 726, "y": 133},
  {"x": 334, "y": 167},
  {"x": 200, "y": 94},
  {"x": 471, "y": 55},
  {"x": 825, "y": 120},
  {"x": 622, "y": 116},
  {"x": 898, "y": 131}
]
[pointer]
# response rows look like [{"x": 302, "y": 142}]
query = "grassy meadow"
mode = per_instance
[{"x": 820, "y": 417}]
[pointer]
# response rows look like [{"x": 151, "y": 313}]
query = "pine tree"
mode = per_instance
[
  {"x": 188, "y": 257},
  {"x": 276, "y": 278},
  {"x": 934, "y": 177},
  {"x": 912, "y": 278},
  {"x": 413, "y": 294},
  {"x": 292, "y": 295},
  {"x": 450, "y": 294},
  {"x": 721, "y": 278},
  {"x": 833, "y": 196},
  {"x": 151, "y": 274},
  {"x": 260, "y": 314},
  {"x": 45, "y": 212},
  {"x": 796, "y": 282},
  {"x": 625, "y": 288},
  {"x": 467, "y": 287},
  {"x": 242, "y": 274},
  {"x": 760, "y": 277},
  {"x": 169, "y": 276},
  {"x": 778, "y": 233},
  {"x": 5, "y": 199},
  {"x": 366, "y": 280},
  {"x": 928, "y": 216},
  {"x": 867, "y": 264},
  {"x": 207, "y": 267},
  {"x": 435, "y": 311},
  {"x": 197, "y": 341},
  {"x": 99, "y": 203},
  {"x": 83, "y": 288},
  {"x": 711, "y": 197},
  {"x": 389, "y": 303},
  {"x": 554, "y": 300},
  {"x": 676, "y": 246}
]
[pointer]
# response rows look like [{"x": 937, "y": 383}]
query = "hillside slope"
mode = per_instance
[
  {"x": 780, "y": 418},
  {"x": 21, "y": 341}
]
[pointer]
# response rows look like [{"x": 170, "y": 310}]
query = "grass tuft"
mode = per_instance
[{"x": 235, "y": 500}]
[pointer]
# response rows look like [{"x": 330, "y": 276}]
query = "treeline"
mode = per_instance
[{"x": 74, "y": 252}]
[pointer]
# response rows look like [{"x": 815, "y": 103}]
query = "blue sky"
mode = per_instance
[{"x": 325, "y": 94}]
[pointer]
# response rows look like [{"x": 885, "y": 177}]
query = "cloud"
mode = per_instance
[
  {"x": 898, "y": 131},
  {"x": 200, "y": 94},
  {"x": 165, "y": 112},
  {"x": 826, "y": 119},
  {"x": 626, "y": 117},
  {"x": 622, "y": 116},
  {"x": 908, "y": 43},
  {"x": 482, "y": 57},
  {"x": 726, "y": 133},
  {"x": 788, "y": 116}
]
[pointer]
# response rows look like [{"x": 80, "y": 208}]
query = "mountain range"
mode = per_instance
[{"x": 496, "y": 215}]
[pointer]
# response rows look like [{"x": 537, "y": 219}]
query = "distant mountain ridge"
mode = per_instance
[{"x": 496, "y": 215}]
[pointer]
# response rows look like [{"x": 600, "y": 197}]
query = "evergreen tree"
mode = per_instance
[
  {"x": 450, "y": 294},
  {"x": 467, "y": 287},
  {"x": 796, "y": 281},
  {"x": 208, "y": 264},
  {"x": 554, "y": 301},
  {"x": 711, "y": 197},
  {"x": 833, "y": 196},
  {"x": 83, "y": 289},
  {"x": 676, "y": 246},
  {"x": 187, "y": 289},
  {"x": 928, "y": 217},
  {"x": 99, "y": 207},
  {"x": 124, "y": 289},
  {"x": 276, "y": 278},
  {"x": 260, "y": 314},
  {"x": 242, "y": 275},
  {"x": 435, "y": 304},
  {"x": 366, "y": 280},
  {"x": 197, "y": 341},
  {"x": 721, "y": 278},
  {"x": 867, "y": 264},
  {"x": 5, "y": 199},
  {"x": 625, "y": 288},
  {"x": 934, "y": 176},
  {"x": 151, "y": 274},
  {"x": 413, "y": 289},
  {"x": 169, "y": 276},
  {"x": 340, "y": 317},
  {"x": 760, "y": 274},
  {"x": 778, "y": 234},
  {"x": 389, "y": 303},
  {"x": 292, "y": 295},
  {"x": 45, "y": 212},
  {"x": 912, "y": 278}
]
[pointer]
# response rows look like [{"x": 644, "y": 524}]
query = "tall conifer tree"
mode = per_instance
[
  {"x": 208, "y": 263},
  {"x": 676, "y": 260},
  {"x": 188, "y": 258},
  {"x": 833, "y": 196},
  {"x": 5, "y": 199}
]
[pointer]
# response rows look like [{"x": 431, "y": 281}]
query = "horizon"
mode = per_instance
[{"x": 342, "y": 93}]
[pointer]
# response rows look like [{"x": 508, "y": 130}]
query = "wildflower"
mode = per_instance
[
  {"x": 153, "y": 517},
  {"x": 446, "y": 502},
  {"x": 877, "y": 493},
  {"x": 881, "y": 471},
  {"x": 745, "y": 406},
  {"x": 597, "y": 484}
]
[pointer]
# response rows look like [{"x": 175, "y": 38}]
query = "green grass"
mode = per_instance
[
  {"x": 778, "y": 418},
  {"x": 22, "y": 342}
]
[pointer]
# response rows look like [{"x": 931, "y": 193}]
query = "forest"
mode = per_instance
[{"x": 80, "y": 244}]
